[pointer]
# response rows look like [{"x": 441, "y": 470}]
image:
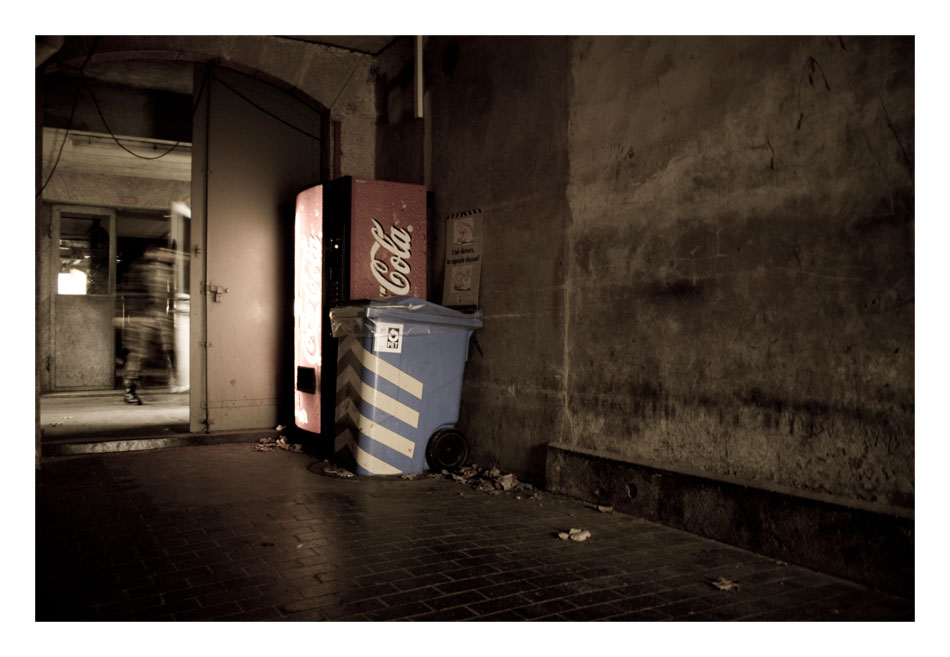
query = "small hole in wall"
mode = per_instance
[{"x": 631, "y": 490}]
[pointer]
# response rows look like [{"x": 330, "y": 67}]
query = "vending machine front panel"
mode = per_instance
[{"x": 308, "y": 308}]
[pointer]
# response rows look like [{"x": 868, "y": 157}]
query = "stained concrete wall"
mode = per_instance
[
  {"x": 741, "y": 291},
  {"x": 699, "y": 253},
  {"x": 99, "y": 190},
  {"x": 497, "y": 114},
  {"x": 400, "y": 137},
  {"x": 119, "y": 109}
]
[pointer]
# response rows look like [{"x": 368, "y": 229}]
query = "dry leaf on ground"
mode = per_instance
[
  {"x": 724, "y": 584},
  {"x": 576, "y": 535}
]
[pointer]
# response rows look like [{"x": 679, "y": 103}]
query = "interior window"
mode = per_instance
[{"x": 83, "y": 256}]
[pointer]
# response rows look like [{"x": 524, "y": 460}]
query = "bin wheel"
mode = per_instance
[{"x": 447, "y": 450}]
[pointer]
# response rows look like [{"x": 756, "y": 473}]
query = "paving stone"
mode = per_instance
[
  {"x": 420, "y": 581},
  {"x": 522, "y": 575},
  {"x": 218, "y": 597},
  {"x": 262, "y": 614},
  {"x": 642, "y": 615},
  {"x": 401, "y": 612},
  {"x": 443, "y": 615},
  {"x": 455, "y": 600},
  {"x": 549, "y": 593},
  {"x": 464, "y": 585},
  {"x": 553, "y": 580},
  {"x": 167, "y": 609},
  {"x": 209, "y": 613},
  {"x": 304, "y": 604},
  {"x": 680, "y": 594},
  {"x": 351, "y": 610},
  {"x": 381, "y": 578},
  {"x": 506, "y": 589},
  {"x": 507, "y": 615},
  {"x": 594, "y": 597},
  {"x": 412, "y": 595},
  {"x": 640, "y": 602},
  {"x": 469, "y": 572},
  {"x": 366, "y": 592},
  {"x": 494, "y": 605},
  {"x": 687, "y": 607},
  {"x": 249, "y": 540},
  {"x": 542, "y": 609}
]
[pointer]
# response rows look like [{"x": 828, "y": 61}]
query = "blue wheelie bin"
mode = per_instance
[{"x": 399, "y": 382}]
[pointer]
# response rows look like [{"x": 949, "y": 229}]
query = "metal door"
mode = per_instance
[
  {"x": 83, "y": 277},
  {"x": 256, "y": 148}
]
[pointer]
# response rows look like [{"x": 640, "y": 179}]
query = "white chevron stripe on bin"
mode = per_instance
[
  {"x": 364, "y": 459},
  {"x": 374, "y": 397},
  {"x": 347, "y": 410},
  {"x": 380, "y": 367}
]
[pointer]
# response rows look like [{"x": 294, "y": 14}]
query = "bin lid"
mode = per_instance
[{"x": 344, "y": 319}]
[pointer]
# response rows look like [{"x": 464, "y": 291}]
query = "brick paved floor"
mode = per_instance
[{"x": 229, "y": 533}]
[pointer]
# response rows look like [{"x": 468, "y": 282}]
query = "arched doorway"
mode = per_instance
[{"x": 260, "y": 144}]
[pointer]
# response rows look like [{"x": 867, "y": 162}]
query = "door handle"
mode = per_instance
[{"x": 214, "y": 290}]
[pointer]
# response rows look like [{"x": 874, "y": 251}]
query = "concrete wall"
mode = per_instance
[
  {"x": 699, "y": 253},
  {"x": 72, "y": 188},
  {"x": 741, "y": 289},
  {"x": 498, "y": 123},
  {"x": 400, "y": 137}
]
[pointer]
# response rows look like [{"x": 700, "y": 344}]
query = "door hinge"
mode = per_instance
[
  {"x": 196, "y": 251},
  {"x": 214, "y": 290},
  {"x": 207, "y": 344}
]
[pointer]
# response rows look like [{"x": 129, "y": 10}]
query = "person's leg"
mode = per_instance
[{"x": 135, "y": 343}]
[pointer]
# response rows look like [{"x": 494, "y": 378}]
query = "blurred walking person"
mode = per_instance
[{"x": 149, "y": 309}]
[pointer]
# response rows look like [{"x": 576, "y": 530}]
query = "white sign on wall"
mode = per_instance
[{"x": 463, "y": 255}]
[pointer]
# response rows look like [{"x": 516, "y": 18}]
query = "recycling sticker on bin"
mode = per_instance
[{"x": 388, "y": 338}]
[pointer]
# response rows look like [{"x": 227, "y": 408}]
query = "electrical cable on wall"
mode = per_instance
[
  {"x": 345, "y": 84},
  {"x": 268, "y": 113},
  {"x": 69, "y": 125},
  {"x": 197, "y": 101},
  {"x": 116, "y": 139},
  {"x": 72, "y": 114},
  {"x": 83, "y": 84}
]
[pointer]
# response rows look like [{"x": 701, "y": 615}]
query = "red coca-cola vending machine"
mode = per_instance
[{"x": 353, "y": 240}]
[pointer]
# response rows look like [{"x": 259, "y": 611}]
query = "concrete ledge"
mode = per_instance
[
  {"x": 876, "y": 549},
  {"x": 104, "y": 445}
]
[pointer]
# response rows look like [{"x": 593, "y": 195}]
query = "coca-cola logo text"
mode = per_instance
[{"x": 393, "y": 278}]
